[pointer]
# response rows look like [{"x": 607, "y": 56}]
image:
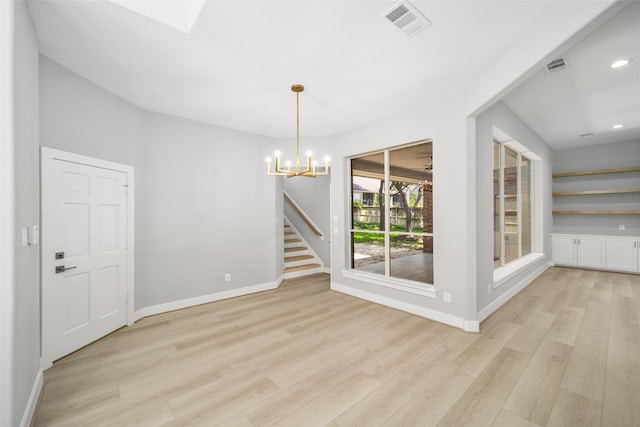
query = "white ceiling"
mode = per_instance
[
  {"x": 589, "y": 96},
  {"x": 237, "y": 64}
]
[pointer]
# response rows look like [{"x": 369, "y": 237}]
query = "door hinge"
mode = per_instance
[
  {"x": 126, "y": 299},
  {"x": 126, "y": 188}
]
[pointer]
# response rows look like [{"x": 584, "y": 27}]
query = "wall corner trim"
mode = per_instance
[
  {"x": 427, "y": 313},
  {"x": 32, "y": 403},
  {"x": 502, "y": 299},
  {"x": 471, "y": 326},
  {"x": 204, "y": 299}
]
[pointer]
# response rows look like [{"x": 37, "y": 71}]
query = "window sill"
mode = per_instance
[
  {"x": 502, "y": 275},
  {"x": 427, "y": 290}
]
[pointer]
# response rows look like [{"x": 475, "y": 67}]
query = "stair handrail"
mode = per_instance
[{"x": 303, "y": 215}]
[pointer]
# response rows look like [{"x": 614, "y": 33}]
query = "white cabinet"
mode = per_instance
[
  {"x": 582, "y": 251},
  {"x": 600, "y": 252},
  {"x": 591, "y": 251},
  {"x": 564, "y": 249},
  {"x": 622, "y": 253}
]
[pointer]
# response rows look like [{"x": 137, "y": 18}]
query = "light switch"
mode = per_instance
[{"x": 34, "y": 234}]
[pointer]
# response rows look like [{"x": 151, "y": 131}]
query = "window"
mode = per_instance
[
  {"x": 513, "y": 202},
  {"x": 367, "y": 199},
  {"x": 392, "y": 233}
]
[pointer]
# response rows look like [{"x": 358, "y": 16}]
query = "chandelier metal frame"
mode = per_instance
[{"x": 312, "y": 169}]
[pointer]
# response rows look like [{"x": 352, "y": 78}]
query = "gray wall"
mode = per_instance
[
  {"x": 312, "y": 195},
  {"x": 501, "y": 116},
  {"x": 604, "y": 156},
  {"x": 202, "y": 207},
  {"x": 80, "y": 117},
  {"x": 454, "y": 192},
  {"x": 26, "y": 346},
  {"x": 279, "y": 230}
]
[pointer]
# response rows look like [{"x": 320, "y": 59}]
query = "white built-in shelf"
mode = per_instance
[
  {"x": 587, "y": 192},
  {"x": 596, "y": 172},
  {"x": 615, "y": 212},
  {"x": 595, "y": 192}
]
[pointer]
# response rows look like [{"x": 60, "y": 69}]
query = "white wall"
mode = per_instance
[
  {"x": 202, "y": 207},
  {"x": 604, "y": 156},
  {"x": 27, "y": 295},
  {"x": 20, "y": 289},
  {"x": 501, "y": 116},
  {"x": 7, "y": 214}
]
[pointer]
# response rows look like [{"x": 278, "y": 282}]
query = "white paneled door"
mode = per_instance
[{"x": 85, "y": 252}]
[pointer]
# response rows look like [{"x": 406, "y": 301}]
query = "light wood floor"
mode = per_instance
[{"x": 564, "y": 352}]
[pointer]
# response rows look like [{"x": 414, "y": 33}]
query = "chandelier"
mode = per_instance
[{"x": 312, "y": 165}]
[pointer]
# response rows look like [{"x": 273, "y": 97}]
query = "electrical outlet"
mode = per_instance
[
  {"x": 621, "y": 227},
  {"x": 227, "y": 277},
  {"x": 446, "y": 296}
]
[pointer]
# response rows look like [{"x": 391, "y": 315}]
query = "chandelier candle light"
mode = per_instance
[{"x": 311, "y": 170}]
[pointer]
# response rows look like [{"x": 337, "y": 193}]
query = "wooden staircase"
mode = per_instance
[{"x": 299, "y": 260}]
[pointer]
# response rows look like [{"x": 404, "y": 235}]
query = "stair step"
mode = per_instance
[
  {"x": 295, "y": 249},
  {"x": 292, "y": 240},
  {"x": 289, "y": 233},
  {"x": 297, "y": 258},
  {"x": 301, "y": 267}
]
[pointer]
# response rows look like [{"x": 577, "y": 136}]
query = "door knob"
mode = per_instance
[{"x": 62, "y": 268}]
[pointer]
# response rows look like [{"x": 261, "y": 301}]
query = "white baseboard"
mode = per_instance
[
  {"x": 204, "y": 299},
  {"x": 438, "y": 316},
  {"x": 471, "y": 326},
  {"x": 32, "y": 403},
  {"x": 502, "y": 299}
]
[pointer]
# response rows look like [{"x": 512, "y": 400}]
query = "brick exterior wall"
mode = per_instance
[{"x": 427, "y": 217}]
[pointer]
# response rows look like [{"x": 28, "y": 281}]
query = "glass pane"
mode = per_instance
[
  {"x": 368, "y": 251},
  {"x": 367, "y": 192},
  {"x": 411, "y": 212},
  {"x": 497, "y": 239},
  {"x": 511, "y": 249},
  {"x": 525, "y": 190},
  {"x": 409, "y": 260}
]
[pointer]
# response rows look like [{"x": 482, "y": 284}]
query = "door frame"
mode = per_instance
[{"x": 47, "y": 158}]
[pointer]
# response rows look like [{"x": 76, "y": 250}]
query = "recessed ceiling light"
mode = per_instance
[
  {"x": 621, "y": 63},
  {"x": 617, "y": 126},
  {"x": 586, "y": 135}
]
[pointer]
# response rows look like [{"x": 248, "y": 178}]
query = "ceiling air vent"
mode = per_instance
[
  {"x": 406, "y": 18},
  {"x": 557, "y": 65}
]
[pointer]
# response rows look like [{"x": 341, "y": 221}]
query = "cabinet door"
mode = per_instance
[
  {"x": 591, "y": 251},
  {"x": 563, "y": 250},
  {"x": 622, "y": 253}
]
